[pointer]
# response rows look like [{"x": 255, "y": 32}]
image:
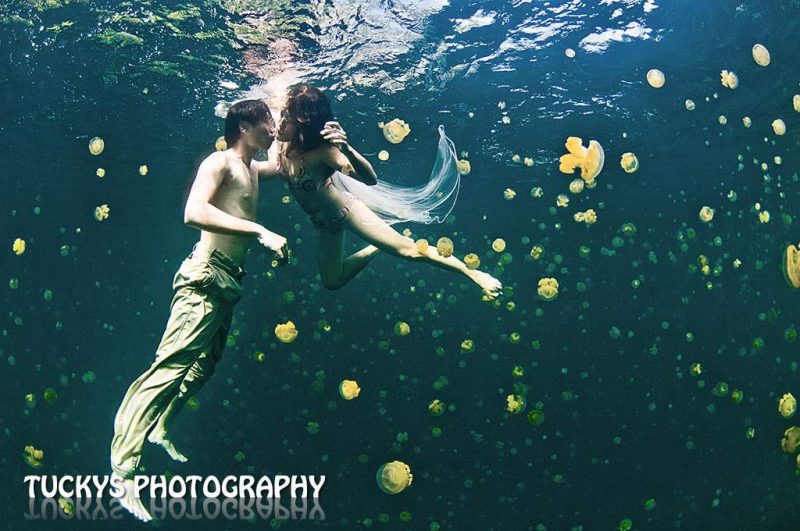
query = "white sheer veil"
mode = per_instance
[{"x": 425, "y": 203}]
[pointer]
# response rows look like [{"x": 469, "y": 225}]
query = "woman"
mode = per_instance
[{"x": 322, "y": 169}]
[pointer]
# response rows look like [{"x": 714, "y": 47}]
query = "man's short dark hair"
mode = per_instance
[{"x": 250, "y": 111}]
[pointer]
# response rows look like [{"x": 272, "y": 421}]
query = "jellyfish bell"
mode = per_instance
[
  {"x": 729, "y": 79},
  {"x": 383, "y": 155},
  {"x": 570, "y": 53},
  {"x": 444, "y": 246},
  {"x": 576, "y": 186},
  {"x": 589, "y": 159},
  {"x": 499, "y": 245},
  {"x": 787, "y": 405},
  {"x": 394, "y": 477},
  {"x": 509, "y": 194},
  {"x": 515, "y": 404},
  {"x": 96, "y": 145},
  {"x": 791, "y": 440},
  {"x": 689, "y": 105},
  {"x": 706, "y": 214},
  {"x": 796, "y": 102},
  {"x": 656, "y": 78},
  {"x": 396, "y": 130},
  {"x": 746, "y": 121},
  {"x": 761, "y": 55},
  {"x": 18, "y": 246},
  {"x": 779, "y": 127},
  {"x": 472, "y": 261},
  {"x": 286, "y": 332},
  {"x": 463, "y": 167},
  {"x": 349, "y": 389},
  {"x": 629, "y": 162},
  {"x": 547, "y": 289}
]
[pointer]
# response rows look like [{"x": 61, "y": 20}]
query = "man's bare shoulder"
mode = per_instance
[{"x": 216, "y": 163}]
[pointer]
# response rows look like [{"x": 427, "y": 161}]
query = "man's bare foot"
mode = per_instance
[
  {"x": 131, "y": 501},
  {"x": 490, "y": 285},
  {"x": 161, "y": 439}
]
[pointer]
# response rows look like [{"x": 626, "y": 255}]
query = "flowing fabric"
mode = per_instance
[{"x": 425, "y": 203}]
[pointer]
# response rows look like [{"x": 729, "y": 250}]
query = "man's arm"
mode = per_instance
[{"x": 201, "y": 214}]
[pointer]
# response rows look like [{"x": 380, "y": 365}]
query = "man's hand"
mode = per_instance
[
  {"x": 275, "y": 243},
  {"x": 334, "y": 134}
]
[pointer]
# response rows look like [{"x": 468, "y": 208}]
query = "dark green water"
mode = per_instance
[{"x": 625, "y": 420}]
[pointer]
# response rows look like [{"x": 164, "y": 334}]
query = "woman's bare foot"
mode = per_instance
[
  {"x": 490, "y": 285},
  {"x": 161, "y": 439},
  {"x": 131, "y": 501}
]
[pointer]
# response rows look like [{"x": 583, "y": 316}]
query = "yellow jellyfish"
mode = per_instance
[
  {"x": 506, "y": 120},
  {"x": 729, "y": 79},
  {"x": 569, "y": 52},
  {"x": 463, "y": 167},
  {"x": 722, "y": 119},
  {"x": 143, "y": 170},
  {"x": 349, "y": 389},
  {"x": 422, "y": 246},
  {"x": 18, "y": 246},
  {"x": 791, "y": 440},
  {"x": 589, "y": 160},
  {"x": 796, "y": 102},
  {"x": 472, "y": 261},
  {"x": 562, "y": 201},
  {"x": 396, "y": 130},
  {"x": 528, "y": 162},
  {"x": 501, "y": 105},
  {"x": 101, "y": 172},
  {"x": 401, "y": 328},
  {"x": 286, "y": 332},
  {"x": 499, "y": 245},
  {"x": 706, "y": 214},
  {"x": 516, "y": 158},
  {"x": 220, "y": 144},
  {"x": 515, "y": 404},
  {"x": 629, "y": 162},
  {"x": 445, "y": 247},
  {"x": 778, "y": 160},
  {"x": 763, "y": 216},
  {"x": 509, "y": 194},
  {"x": 547, "y": 289},
  {"x": 537, "y": 192},
  {"x": 96, "y": 145},
  {"x": 394, "y": 477},
  {"x": 576, "y": 186},
  {"x": 589, "y": 217},
  {"x": 34, "y": 457},
  {"x": 696, "y": 369},
  {"x": 436, "y": 407},
  {"x": 101, "y": 212},
  {"x": 746, "y": 121},
  {"x": 537, "y": 251},
  {"x": 383, "y": 155},
  {"x": 787, "y": 405},
  {"x": 760, "y": 55},
  {"x": 656, "y": 78},
  {"x": 779, "y": 127},
  {"x": 689, "y": 105}
]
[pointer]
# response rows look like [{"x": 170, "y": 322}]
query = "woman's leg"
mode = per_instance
[
  {"x": 368, "y": 226},
  {"x": 335, "y": 270}
]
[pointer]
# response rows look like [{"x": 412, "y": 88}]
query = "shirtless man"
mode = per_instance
[{"x": 222, "y": 204}]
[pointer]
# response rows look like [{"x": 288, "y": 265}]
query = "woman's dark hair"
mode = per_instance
[
  {"x": 250, "y": 111},
  {"x": 309, "y": 108}
]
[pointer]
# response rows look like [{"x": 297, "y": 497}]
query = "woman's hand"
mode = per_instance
[{"x": 334, "y": 134}]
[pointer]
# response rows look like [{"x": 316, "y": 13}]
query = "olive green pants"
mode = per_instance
[{"x": 206, "y": 286}]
